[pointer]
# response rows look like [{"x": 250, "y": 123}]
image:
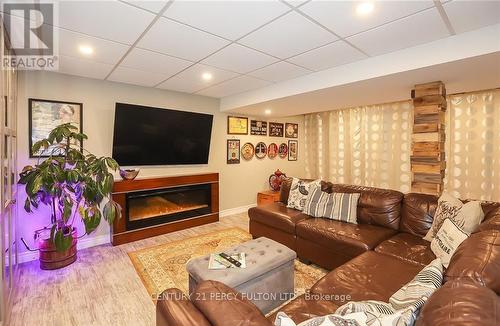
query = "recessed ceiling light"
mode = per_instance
[
  {"x": 267, "y": 111},
  {"x": 206, "y": 76},
  {"x": 364, "y": 8},
  {"x": 85, "y": 49}
]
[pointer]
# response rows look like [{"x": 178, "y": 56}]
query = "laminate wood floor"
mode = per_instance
[{"x": 100, "y": 288}]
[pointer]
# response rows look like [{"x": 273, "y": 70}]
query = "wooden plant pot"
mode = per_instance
[{"x": 50, "y": 258}]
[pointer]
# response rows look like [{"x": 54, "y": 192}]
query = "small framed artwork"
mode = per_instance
[
  {"x": 272, "y": 151},
  {"x": 275, "y": 129},
  {"x": 283, "y": 150},
  {"x": 233, "y": 151},
  {"x": 237, "y": 125},
  {"x": 45, "y": 115},
  {"x": 258, "y": 128},
  {"x": 247, "y": 151},
  {"x": 293, "y": 150},
  {"x": 260, "y": 150},
  {"x": 291, "y": 130}
]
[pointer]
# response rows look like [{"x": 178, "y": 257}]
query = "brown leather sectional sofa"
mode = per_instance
[{"x": 368, "y": 261}]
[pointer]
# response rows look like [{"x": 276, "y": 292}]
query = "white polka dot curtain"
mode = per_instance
[
  {"x": 367, "y": 145},
  {"x": 473, "y": 145}
]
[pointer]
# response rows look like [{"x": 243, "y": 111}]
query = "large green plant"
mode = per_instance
[{"x": 71, "y": 184}]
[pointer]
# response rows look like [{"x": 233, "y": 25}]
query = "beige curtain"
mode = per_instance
[
  {"x": 473, "y": 145},
  {"x": 367, "y": 145}
]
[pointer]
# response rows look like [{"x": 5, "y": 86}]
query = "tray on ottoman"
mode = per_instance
[{"x": 267, "y": 280}]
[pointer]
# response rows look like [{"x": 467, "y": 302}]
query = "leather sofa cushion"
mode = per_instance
[
  {"x": 491, "y": 220},
  {"x": 376, "y": 206},
  {"x": 460, "y": 302},
  {"x": 305, "y": 307},
  {"x": 478, "y": 259},
  {"x": 408, "y": 247},
  {"x": 173, "y": 308},
  {"x": 350, "y": 239},
  {"x": 223, "y": 306},
  {"x": 417, "y": 213},
  {"x": 277, "y": 215},
  {"x": 370, "y": 276}
]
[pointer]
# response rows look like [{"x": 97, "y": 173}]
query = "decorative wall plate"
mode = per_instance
[
  {"x": 260, "y": 150},
  {"x": 272, "y": 150},
  {"x": 283, "y": 150},
  {"x": 247, "y": 151}
]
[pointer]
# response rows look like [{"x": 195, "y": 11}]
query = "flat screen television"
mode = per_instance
[{"x": 153, "y": 136}]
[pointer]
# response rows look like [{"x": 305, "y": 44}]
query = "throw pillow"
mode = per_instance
[
  {"x": 415, "y": 293},
  {"x": 299, "y": 190},
  {"x": 466, "y": 216},
  {"x": 336, "y": 206},
  {"x": 355, "y": 319},
  {"x": 447, "y": 240}
]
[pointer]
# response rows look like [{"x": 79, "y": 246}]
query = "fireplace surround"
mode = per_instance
[{"x": 156, "y": 206}]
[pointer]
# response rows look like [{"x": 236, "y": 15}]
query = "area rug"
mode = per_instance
[{"x": 164, "y": 266}]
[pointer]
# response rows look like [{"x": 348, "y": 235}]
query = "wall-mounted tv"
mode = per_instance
[{"x": 154, "y": 136}]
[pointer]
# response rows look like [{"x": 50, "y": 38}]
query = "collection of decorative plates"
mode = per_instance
[{"x": 260, "y": 150}]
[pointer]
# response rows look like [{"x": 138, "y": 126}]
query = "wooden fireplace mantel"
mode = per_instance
[{"x": 119, "y": 232}]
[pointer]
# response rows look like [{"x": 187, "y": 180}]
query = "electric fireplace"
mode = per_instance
[{"x": 151, "y": 207}]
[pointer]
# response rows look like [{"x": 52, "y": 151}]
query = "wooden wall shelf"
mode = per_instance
[{"x": 119, "y": 232}]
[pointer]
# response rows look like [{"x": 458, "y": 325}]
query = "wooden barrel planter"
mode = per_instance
[{"x": 50, "y": 258}]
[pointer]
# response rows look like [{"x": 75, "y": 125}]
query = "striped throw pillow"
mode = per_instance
[{"x": 336, "y": 206}]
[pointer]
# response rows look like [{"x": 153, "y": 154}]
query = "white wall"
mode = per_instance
[{"x": 239, "y": 183}]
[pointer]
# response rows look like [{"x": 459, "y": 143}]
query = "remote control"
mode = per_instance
[{"x": 230, "y": 259}]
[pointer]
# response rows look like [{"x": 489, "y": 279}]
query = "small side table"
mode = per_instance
[{"x": 267, "y": 197}]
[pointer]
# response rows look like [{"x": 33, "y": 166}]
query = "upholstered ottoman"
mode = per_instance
[{"x": 267, "y": 280}]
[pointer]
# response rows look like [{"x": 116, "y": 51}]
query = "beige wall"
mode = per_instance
[{"x": 239, "y": 183}]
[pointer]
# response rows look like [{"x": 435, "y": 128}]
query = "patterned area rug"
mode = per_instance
[{"x": 164, "y": 266}]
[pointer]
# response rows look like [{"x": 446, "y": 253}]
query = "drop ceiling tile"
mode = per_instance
[
  {"x": 111, "y": 20},
  {"x": 190, "y": 80},
  {"x": 83, "y": 67},
  {"x": 181, "y": 41},
  {"x": 426, "y": 26},
  {"x": 234, "y": 86},
  {"x": 288, "y": 36},
  {"x": 154, "y": 62},
  {"x": 104, "y": 51},
  {"x": 280, "y": 71},
  {"x": 239, "y": 59},
  {"x": 136, "y": 77},
  {"x": 341, "y": 16},
  {"x": 229, "y": 19},
  {"x": 154, "y": 6},
  {"x": 328, "y": 56},
  {"x": 469, "y": 15}
]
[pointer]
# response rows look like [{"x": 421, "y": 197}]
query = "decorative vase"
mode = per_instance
[
  {"x": 50, "y": 258},
  {"x": 276, "y": 179},
  {"x": 129, "y": 174}
]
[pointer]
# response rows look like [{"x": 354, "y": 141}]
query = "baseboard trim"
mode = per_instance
[
  {"x": 85, "y": 242},
  {"x": 236, "y": 210}
]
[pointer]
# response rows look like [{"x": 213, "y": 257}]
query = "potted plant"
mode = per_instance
[{"x": 71, "y": 183}]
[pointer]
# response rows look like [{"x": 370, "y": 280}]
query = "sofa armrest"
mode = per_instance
[
  {"x": 461, "y": 302},
  {"x": 223, "y": 306},
  {"x": 173, "y": 308}
]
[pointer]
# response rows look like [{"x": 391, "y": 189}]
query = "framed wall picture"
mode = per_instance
[
  {"x": 283, "y": 150},
  {"x": 275, "y": 129},
  {"x": 272, "y": 151},
  {"x": 258, "y": 128},
  {"x": 237, "y": 125},
  {"x": 233, "y": 151},
  {"x": 45, "y": 115},
  {"x": 291, "y": 130},
  {"x": 293, "y": 150},
  {"x": 247, "y": 151},
  {"x": 260, "y": 150}
]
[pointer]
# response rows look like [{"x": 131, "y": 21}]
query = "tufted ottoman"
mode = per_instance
[{"x": 267, "y": 280}]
